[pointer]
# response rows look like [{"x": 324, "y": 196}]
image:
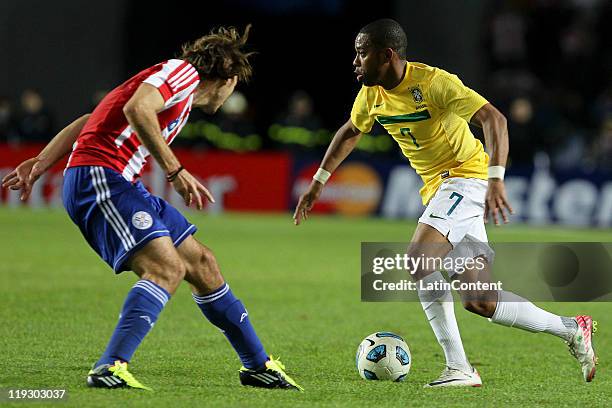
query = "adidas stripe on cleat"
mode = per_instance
[
  {"x": 113, "y": 376},
  {"x": 272, "y": 375}
]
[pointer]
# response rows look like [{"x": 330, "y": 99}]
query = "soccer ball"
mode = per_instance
[{"x": 383, "y": 356}]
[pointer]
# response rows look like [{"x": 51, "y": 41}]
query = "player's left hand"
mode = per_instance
[
  {"x": 24, "y": 176},
  {"x": 496, "y": 202}
]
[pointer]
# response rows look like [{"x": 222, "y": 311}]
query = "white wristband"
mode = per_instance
[
  {"x": 497, "y": 172},
  {"x": 321, "y": 175}
]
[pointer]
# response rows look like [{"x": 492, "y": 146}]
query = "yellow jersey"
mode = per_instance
[{"x": 427, "y": 114}]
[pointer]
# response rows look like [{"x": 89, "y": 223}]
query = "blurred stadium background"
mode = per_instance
[{"x": 547, "y": 64}]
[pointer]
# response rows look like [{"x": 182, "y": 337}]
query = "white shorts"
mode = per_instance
[{"x": 457, "y": 212}]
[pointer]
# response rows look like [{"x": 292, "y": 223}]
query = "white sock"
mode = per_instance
[
  {"x": 440, "y": 311},
  {"x": 515, "y": 311}
]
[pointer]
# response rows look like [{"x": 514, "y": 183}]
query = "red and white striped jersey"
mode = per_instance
[{"x": 107, "y": 138}]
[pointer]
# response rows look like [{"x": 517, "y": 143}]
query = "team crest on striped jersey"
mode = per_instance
[
  {"x": 173, "y": 124},
  {"x": 142, "y": 220}
]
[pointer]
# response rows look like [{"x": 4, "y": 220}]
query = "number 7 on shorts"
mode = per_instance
[{"x": 459, "y": 198}]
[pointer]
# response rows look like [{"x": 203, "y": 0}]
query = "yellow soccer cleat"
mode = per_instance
[
  {"x": 113, "y": 376},
  {"x": 272, "y": 375}
]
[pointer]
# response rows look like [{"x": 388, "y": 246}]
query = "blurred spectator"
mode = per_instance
[
  {"x": 7, "y": 121},
  {"x": 602, "y": 148},
  {"x": 521, "y": 129},
  {"x": 34, "y": 122},
  {"x": 299, "y": 129},
  {"x": 570, "y": 152},
  {"x": 300, "y": 112},
  {"x": 231, "y": 129},
  {"x": 508, "y": 30},
  {"x": 602, "y": 109},
  {"x": 507, "y": 84},
  {"x": 235, "y": 117}
]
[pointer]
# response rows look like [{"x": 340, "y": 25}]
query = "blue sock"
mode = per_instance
[
  {"x": 143, "y": 304},
  {"x": 226, "y": 312}
]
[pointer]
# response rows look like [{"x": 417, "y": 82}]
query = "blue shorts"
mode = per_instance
[{"x": 116, "y": 217}]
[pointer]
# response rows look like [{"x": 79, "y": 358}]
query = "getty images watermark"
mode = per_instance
[
  {"x": 412, "y": 264},
  {"x": 558, "y": 271}
]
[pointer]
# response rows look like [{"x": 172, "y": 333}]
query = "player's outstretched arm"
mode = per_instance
[
  {"x": 26, "y": 173},
  {"x": 343, "y": 143},
  {"x": 495, "y": 129},
  {"x": 141, "y": 112}
]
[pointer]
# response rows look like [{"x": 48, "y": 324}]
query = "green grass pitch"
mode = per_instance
[{"x": 59, "y": 304}]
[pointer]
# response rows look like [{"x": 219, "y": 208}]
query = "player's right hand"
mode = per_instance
[
  {"x": 191, "y": 189},
  {"x": 24, "y": 176},
  {"x": 307, "y": 201}
]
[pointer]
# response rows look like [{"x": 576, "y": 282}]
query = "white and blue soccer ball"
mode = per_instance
[{"x": 383, "y": 356}]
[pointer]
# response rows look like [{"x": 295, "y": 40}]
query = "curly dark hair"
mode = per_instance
[{"x": 220, "y": 54}]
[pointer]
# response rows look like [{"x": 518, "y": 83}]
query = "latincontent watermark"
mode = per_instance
[
  {"x": 567, "y": 272},
  {"x": 411, "y": 264},
  {"x": 455, "y": 284}
]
